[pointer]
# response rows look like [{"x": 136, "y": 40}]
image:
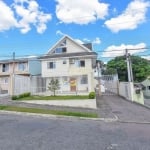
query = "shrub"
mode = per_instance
[
  {"x": 91, "y": 95},
  {"x": 27, "y": 94},
  {"x": 14, "y": 97}
]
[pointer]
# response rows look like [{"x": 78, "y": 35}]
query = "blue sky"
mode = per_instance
[{"x": 32, "y": 27}]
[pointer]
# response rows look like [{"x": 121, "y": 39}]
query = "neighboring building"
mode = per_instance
[
  {"x": 72, "y": 64},
  {"x": 10, "y": 70},
  {"x": 146, "y": 89}
]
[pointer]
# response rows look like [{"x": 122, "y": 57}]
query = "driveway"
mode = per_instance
[{"x": 125, "y": 110}]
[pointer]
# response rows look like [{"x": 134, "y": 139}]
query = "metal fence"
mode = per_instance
[
  {"x": 110, "y": 83},
  {"x": 32, "y": 84}
]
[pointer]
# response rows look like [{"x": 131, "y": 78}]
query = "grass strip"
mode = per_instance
[
  {"x": 47, "y": 111},
  {"x": 65, "y": 97}
]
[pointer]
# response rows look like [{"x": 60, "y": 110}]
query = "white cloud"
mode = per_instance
[
  {"x": 146, "y": 57},
  {"x": 29, "y": 13},
  {"x": 7, "y": 19},
  {"x": 97, "y": 41},
  {"x": 86, "y": 40},
  {"x": 79, "y": 41},
  {"x": 23, "y": 14},
  {"x": 58, "y": 32},
  {"x": 80, "y": 11},
  {"x": 113, "y": 50},
  {"x": 134, "y": 15}
]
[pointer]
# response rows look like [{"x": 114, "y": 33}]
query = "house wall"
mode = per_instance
[
  {"x": 65, "y": 86},
  {"x": 35, "y": 67},
  {"x": 73, "y": 47},
  {"x": 70, "y": 70},
  {"x": 65, "y": 69}
]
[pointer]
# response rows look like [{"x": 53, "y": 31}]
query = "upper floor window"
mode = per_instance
[
  {"x": 81, "y": 63},
  {"x": 5, "y": 67},
  {"x": 22, "y": 66},
  {"x": 61, "y": 48},
  {"x": 51, "y": 65}
]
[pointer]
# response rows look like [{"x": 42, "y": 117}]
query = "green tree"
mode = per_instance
[
  {"x": 54, "y": 85},
  {"x": 140, "y": 67}
]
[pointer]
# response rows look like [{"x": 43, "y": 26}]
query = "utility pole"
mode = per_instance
[
  {"x": 131, "y": 72},
  {"x": 99, "y": 80},
  {"x": 13, "y": 75},
  {"x": 129, "y": 66}
]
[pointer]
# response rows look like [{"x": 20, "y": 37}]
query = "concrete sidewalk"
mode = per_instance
[
  {"x": 108, "y": 107},
  {"x": 123, "y": 109},
  {"x": 67, "y": 103}
]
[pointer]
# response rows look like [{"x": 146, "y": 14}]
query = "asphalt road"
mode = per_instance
[{"x": 20, "y": 132}]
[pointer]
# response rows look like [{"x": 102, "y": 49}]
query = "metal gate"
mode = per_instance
[{"x": 109, "y": 84}]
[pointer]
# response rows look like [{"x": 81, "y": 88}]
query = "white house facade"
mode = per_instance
[{"x": 72, "y": 64}]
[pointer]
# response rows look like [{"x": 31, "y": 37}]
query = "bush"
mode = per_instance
[
  {"x": 27, "y": 94},
  {"x": 92, "y": 95},
  {"x": 15, "y": 97}
]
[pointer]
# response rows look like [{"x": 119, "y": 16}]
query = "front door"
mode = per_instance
[{"x": 72, "y": 84}]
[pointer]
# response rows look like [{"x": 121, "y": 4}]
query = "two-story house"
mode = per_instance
[
  {"x": 72, "y": 64},
  {"x": 12, "y": 70}
]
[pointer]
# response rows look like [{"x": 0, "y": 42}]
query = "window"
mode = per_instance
[
  {"x": 64, "y": 62},
  {"x": 4, "y": 80},
  {"x": 71, "y": 61},
  {"x": 64, "y": 50},
  {"x": 80, "y": 63},
  {"x": 84, "y": 79},
  {"x": 51, "y": 65},
  {"x": 61, "y": 48},
  {"x": 22, "y": 66},
  {"x": 5, "y": 67}
]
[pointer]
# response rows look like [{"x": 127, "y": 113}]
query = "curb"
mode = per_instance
[
  {"x": 135, "y": 122},
  {"x": 59, "y": 116},
  {"x": 148, "y": 107}
]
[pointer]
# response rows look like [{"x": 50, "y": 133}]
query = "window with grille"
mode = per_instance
[
  {"x": 80, "y": 63},
  {"x": 51, "y": 65},
  {"x": 5, "y": 67},
  {"x": 84, "y": 80}
]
